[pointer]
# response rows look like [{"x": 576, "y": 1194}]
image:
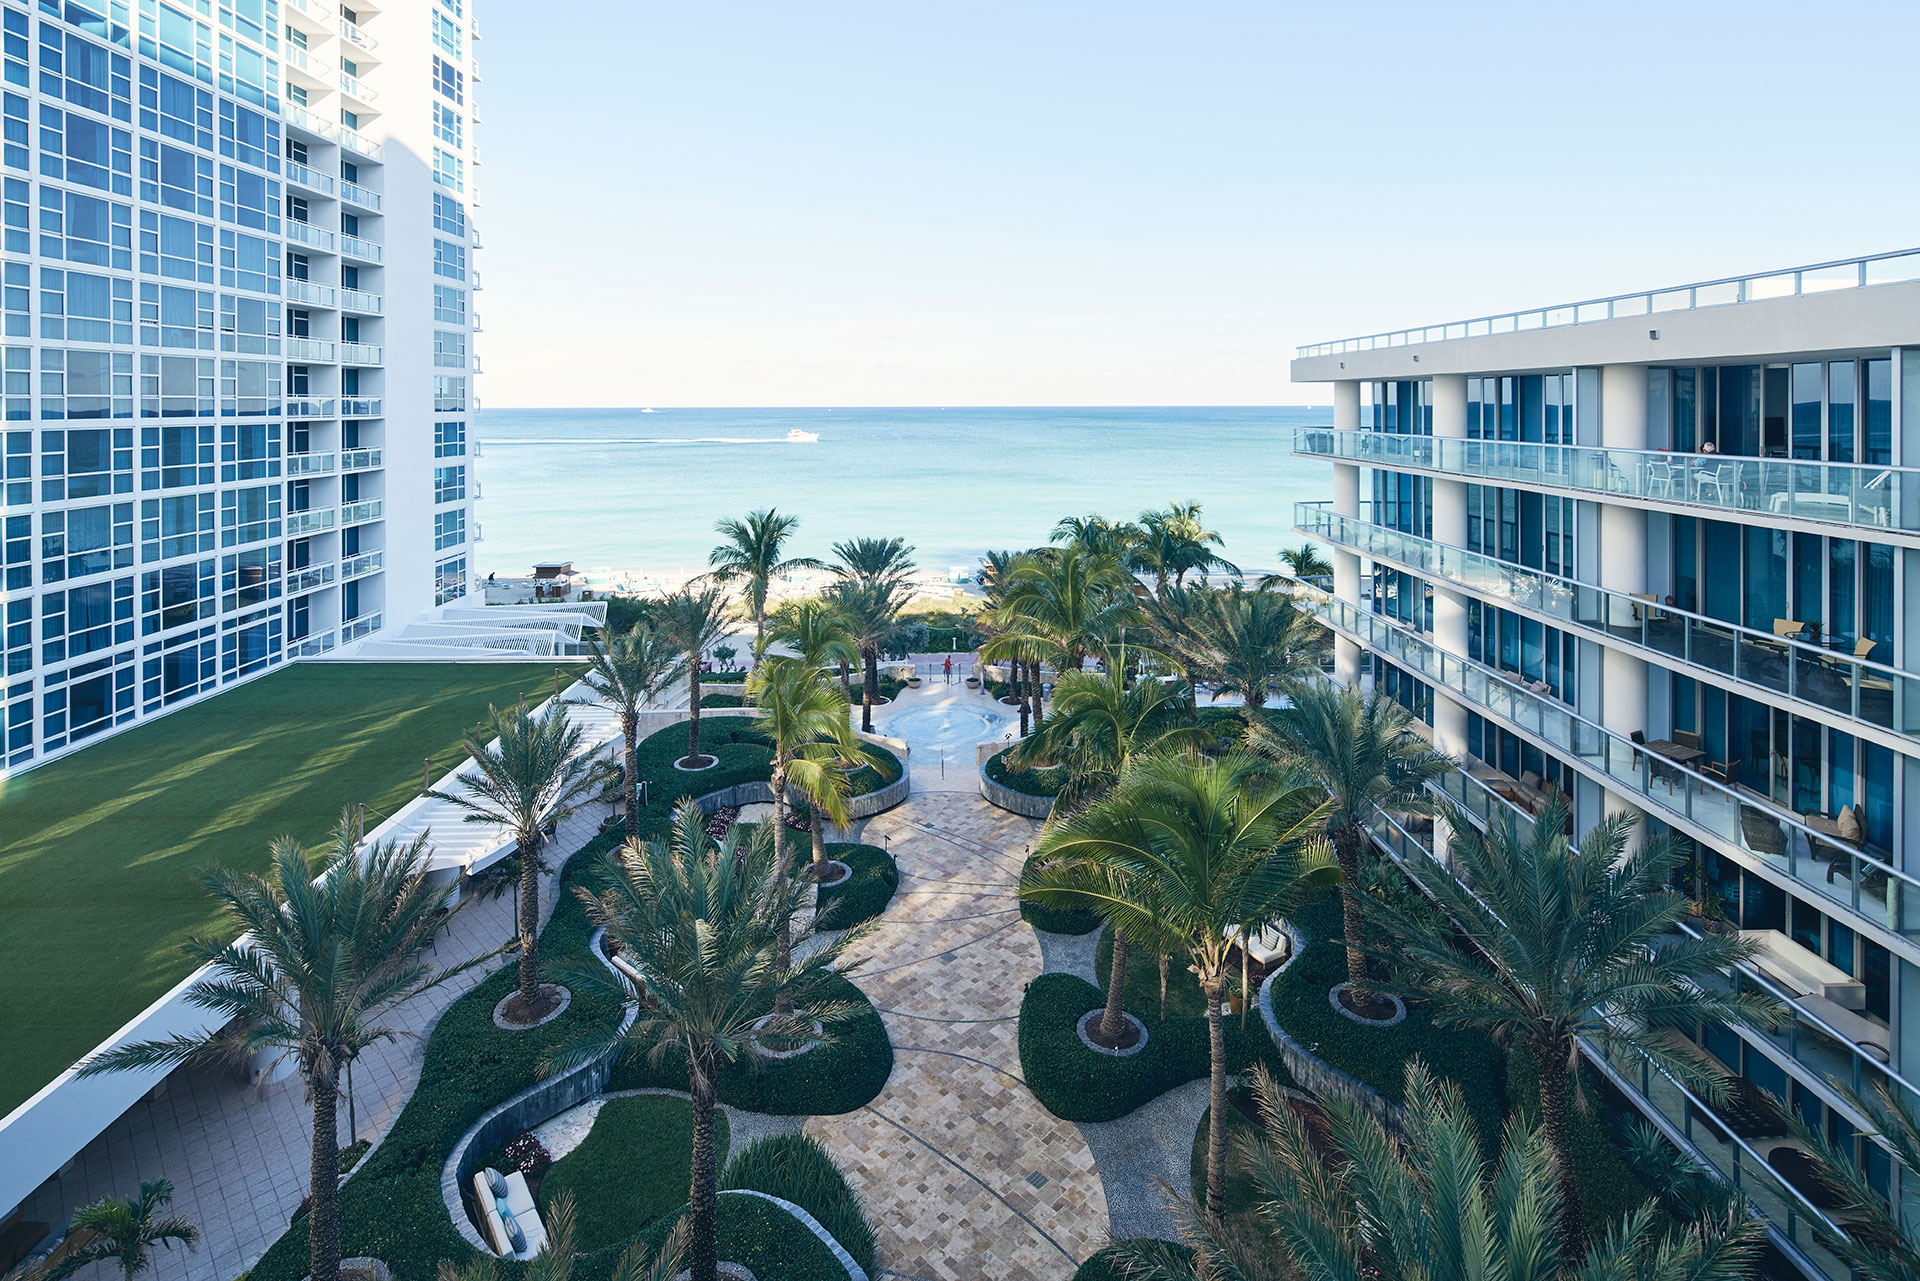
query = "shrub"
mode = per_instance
[
  {"x": 1076, "y": 1084},
  {"x": 527, "y": 1154},
  {"x": 721, "y": 700},
  {"x": 1105, "y": 1266},
  {"x": 863, "y": 895},
  {"x": 632, "y": 1167},
  {"x": 1028, "y": 782},
  {"x": 759, "y": 1235},
  {"x": 796, "y": 1168},
  {"x": 1057, "y": 920}
]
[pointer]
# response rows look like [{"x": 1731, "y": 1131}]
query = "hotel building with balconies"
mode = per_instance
[
  {"x": 239, "y": 318},
  {"x": 1661, "y": 552}
]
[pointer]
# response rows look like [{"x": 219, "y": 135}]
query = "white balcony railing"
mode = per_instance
[
  {"x": 312, "y": 9},
  {"x": 300, "y": 118},
  {"x": 352, "y": 32},
  {"x": 352, "y": 85},
  {"x": 301, "y": 176},
  {"x": 359, "y": 353},
  {"x": 314, "y": 645},
  {"x": 359, "y": 459},
  {"x": 355, "y": 247},
  {"x": 306, "y": 580},
  {"x": 354, "y": 629},
  {"x": 309, "y": 349},
  {"x": 358, "y": 300},
  {"x": 360, "y": 566},
  {"x": 354, "y": 194},
  {"x": 354, "y": 140},
  {"x": 305, "y": 291},
  {"x": 360, "y": 513},
  {"x": 300, "y": 524},
  {"x": 301, "y": 233},
  {"x": 360, "y": 407},
  {"x": 305, "y": 407},
  {"x": 310, "y": 464}
]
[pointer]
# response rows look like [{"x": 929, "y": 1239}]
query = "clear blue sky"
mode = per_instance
[{"x": 1135, "y": 203}]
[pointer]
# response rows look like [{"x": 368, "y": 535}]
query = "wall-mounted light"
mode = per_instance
[
  {"x": 1653, "y": 333},
  {"x": 1416, "y": 360}
]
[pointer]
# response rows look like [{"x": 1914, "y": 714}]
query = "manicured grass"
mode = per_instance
[
  {"x": 862, "y": 896},
  {"x": 632, "y": 1167},
  {"x": 103, "y": 850},
  {"x": 744, "y": 755}
]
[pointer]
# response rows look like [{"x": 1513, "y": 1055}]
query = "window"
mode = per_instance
[
  {"x": 85, "y": 308},
  {"x": 449, "y": 170},
  {"x": 449, "y": 580},
  {"x": 449, "y": 484},
  {"x": 176, "y": 177},
  {"x": 446, "y": 34},
  {"x": 85, "y": 74},
  {"x": 85, "y": 619},
  {"x": 449, "y": 528},
  {"x": 180, "y": 526},
  {"x": 83, "y": 229},
  {"x": 249, "y": 515},
  {"x": 449, "y": 215},
  {"x": 88, "y": 152},
  {"x": 86, "y": 463},
  {"x": 175, "y": 247},
  {"x": 449, "y": 81},
  {"x": 450, "y": 439},
  {"x": 446, "y": 124},
  {"x": 449, "y": 260},
  {"x": 449, "y": 394},
  {"x": 449, "y": 349},
  {"x": 449, "y": 305}
]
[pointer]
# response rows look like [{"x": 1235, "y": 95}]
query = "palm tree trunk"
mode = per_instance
[
  {"x": 1112, "y": 1019},
  {"x": 779, "y": 784},
  {"x": 870, "y": 690},
  {"x": 819, "y": 833},
  {"x": 703, "y": 1242},
  {"x": 1033, "y": 689},
  {"x": 1346, "y": 852},
  {"x": 1016, "y": 679},
  {"x": 323, "y": 1188},
  {"x": 846, "y": 682},
  {"x": 693, "y": 712},
  {"x": 1165, "y": 960},
  {"x": 529, "y": 920},
  {"x": 1216, "y": 1102},
  {"x": 630, "y": 728},
  {"x": 1553, "y": 1059}
]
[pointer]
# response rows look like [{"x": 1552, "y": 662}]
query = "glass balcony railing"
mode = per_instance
[
  {"x": 309, "y": 349},
  {"x": 355, "y": 87},
  {"x": 361, "y": 301},
  {"x": 1876, "y": 498},
  {"x": 360, "y": 407},
  {"x": 359, "y": 353},
  {"x": 1849, "y": 273},
  {"x": 355, "y": 247},
  {"x": 305, "y": 407},
  {"x": 354, "y": 194},
  {"x": 354, "y": 140},
  {"x": 300, "y": 118},
  {"x": 359, "y": 459},
  {"x": 309, "y": 294},
  {"x": 352, "y": 32},
  {"x": 306, "y": 580},
  {"x": 301, "y": 233},
  {"x": 360, "y": 566},
  {"x": 309, "y": 464},
  {"x": 359, "y": 513},
  {"x": 313, "y": 9},
  {"x": 301, "y": 176},
  {"x": 1832, "y": 677},
  {"x": 301, "y": 524},
  {"x": 311, "y": 646},
  {"x": 1738, "y": 817},
  {"x": 354, "y": 629}
]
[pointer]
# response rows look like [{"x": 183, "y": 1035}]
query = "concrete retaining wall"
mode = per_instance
[
  {"x": 1315, "y": 1074},
  {"x": 1004, "y": 797}
]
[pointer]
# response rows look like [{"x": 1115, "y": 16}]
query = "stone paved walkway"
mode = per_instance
[{"x": 965, "y": 1174}]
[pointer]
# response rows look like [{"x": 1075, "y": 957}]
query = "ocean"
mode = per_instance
[{"x": 640, "y": 491}]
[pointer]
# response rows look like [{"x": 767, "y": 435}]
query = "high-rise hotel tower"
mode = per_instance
[
  {"x": 1661, "y": 553},
  {"x": 238, "y": 317}
]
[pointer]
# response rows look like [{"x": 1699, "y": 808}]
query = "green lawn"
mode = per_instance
[
  {"x": 103, "y": 849},
  {"x": 632, "y": 1167}
]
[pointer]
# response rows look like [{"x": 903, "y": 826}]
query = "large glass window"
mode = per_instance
[
  {"x": 1879, "y": 450},
  {"x": 1841, "y": 395}
]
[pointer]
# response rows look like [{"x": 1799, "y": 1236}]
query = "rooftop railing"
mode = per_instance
[
  {"x": 1835, "y": 677},
  {"x": 1872, "y": 497},
  {"x": 1846, "y": 273}
]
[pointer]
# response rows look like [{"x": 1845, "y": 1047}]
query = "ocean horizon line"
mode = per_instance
[{"x": 532, "y": 409}]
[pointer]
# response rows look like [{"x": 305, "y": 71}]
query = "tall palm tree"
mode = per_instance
[
  {"x": 873, "y": 560},
  {"x": 1249, "y": 643},
  {"x": 751, "y": 554},
  {"x": 1205, "y": 850},
  {"x": 817, "y": 631},
  {"x": 626, "y": 674},
  {"x": 1360, "y": 749},
  {"x": 1100, "y": 724},
  {"x": 318, "y": 967},
  {"x": 873, "y": 607},
  {"x": 556, "y": 1258},
  {"x": 1305, "y": 561},
  {"x": 1069, "y": 606},
  {"x": 1172, "y": 617},
  {"x": 1425, "y": 1205},
  {"x": 125, "y": 1230},
  {"x": 693, "y": 619},
  {"x": 813, "y": 742},
  {"x": 1176, "y": 542},
  {"x": 533, "y": 773},
  {"x": 700, "y": 923},
  {"x": 1878, "y": 1245},
  {"x": 1098, "y": 536},
  {"x": 996, "y": 576},
  {"x": 1568, "y": 943}
]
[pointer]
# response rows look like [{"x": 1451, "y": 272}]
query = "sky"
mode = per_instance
[{"x": 1121, "y": 203}]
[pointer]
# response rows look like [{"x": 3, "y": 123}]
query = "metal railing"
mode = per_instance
[
  {"x": 305, "y": 291},
  {"x": 352, "y": 31},
  {"x": 309, "y": 464},
  {"x": 309, "y": 646},
  {"x": 301, "y": 233},
  {"x": 306, "y": 580},
  {"x": 360, "y": 407},
  {"x": 313, "y": 9},
  {"x": 1845, "y": 273},
  {"x": 359, "y": 353},
  {"x": 1883, "y": 499},
  {"x": 300, "y": 524},
  {"x": 1741, "y": 819},
  {"x": 1833, "y": 680},
  {"x": 354, "y": 140},
  {"x": 299, "y": 117},
  {"x": 304, "y": 407},
  {"x": 301, "y": 176},
  {"x": 309, "y": 349},
  {"x": 359, "y": 459},
  {"x": 360, "y": 513},
  {"x": 360, "y": 566},
  {"x": 352, "y": 85},
  {"x": 353, "y": 629}
]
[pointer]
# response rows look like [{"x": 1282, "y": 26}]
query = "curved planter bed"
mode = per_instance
[{"x": 1315, "y": 1074}]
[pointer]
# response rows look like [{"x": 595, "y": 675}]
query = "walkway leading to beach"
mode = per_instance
[{"x": 964, "y": 1173}]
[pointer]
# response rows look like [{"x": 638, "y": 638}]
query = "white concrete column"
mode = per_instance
[
  {"x": 1346, "y": 502},
  {"x": 1449, "y": 725},
  {"x": 1623, "y": 551},
  {"x": 1623, "y": 406},
  {"x": 1450, "y": 496},
  {"x": 1346, "y": 405}
]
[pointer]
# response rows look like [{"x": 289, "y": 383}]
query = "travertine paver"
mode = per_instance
[{"x": 965, "y": 1173}]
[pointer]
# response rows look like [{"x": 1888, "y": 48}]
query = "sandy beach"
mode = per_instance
[{"x": 931, "y": 589}]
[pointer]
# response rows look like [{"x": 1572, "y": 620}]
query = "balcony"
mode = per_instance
[
  {"x": 364, "y": 250},
  {"x": 302, "y": 407},
  {"x": 354, "y": 194},
  {"x": 320, "y": 15},
  {"x": 311, "y": 646},
  {"x": 309, "y": 349},
  {"x": 301, "y": 233},
  {"x": 359, "y": 353},
  {"x": 304, "y": 67},
  {"x": 1769, "y": 489},
  {"x": 310, "y": 294},
  {"x": 360, "y": 407},
  {"x": 301, "y": 176},
  {"x": 1738, "y": 818},
  {"x": 301, "y": 524},
  {"x": 300, "y": 118},
  {"x": 352, "y": 86},
  {"x": 306, "y": 580},
  {"x": 355, "y": 141},
  {"x": 357, "y": 300},
  {"x": 360, "y": 566},
  {"x": 310, "y": 464},
  {"x": 359, "y": 459},
  {"x": 357, "y": 628},
  {"x": 351, "y": 32},
  {"x": 359, "y": 513},
  {"x": 1829, "y": 678}
]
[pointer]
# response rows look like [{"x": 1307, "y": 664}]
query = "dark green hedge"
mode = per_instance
[
  {"x": 1028, "y": 782},
  {"x": 1378, "y": 1056},
  {"x": 797, "y": 1168},
  {"x": 865, "y": 894},
  {"x": 724, "y": 678},
  {"x": 745, "y": 756},
  {"x": 1076, "y": 1084},
  {"x": 1057, "y": 920},
  {"x": 720, "y": 700},
  {"x": 757, "y": 1234},
  {"x": 1103, "y": 1266}
]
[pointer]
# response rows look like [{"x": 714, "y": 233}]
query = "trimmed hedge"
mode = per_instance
[
  {"x": 1027, "y": 782},
  {"x": 745, "y": 756},
  {"x": 720, "y": 700},
  {"x": 1060, "y": 920},
  {"x": 760, "y": 1236},
  {"x": 1184, "y": 997},
  {"x": 797, "y": 1168},
  {"x": 862, "y": 896},
  {"x": 1076, "y": 1084},
  {"x": 632, "y": 1167}
]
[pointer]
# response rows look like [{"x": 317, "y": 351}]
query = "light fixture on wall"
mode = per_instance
[{"x": 1653, "y": 333}]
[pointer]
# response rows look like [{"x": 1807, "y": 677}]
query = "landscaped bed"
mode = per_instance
[
  {"x": 863, "y": 895},
  {"x": 1056, "y": 920},
  {"x": 1028, "y": 782},
  {"x": 104, "y": 849},
  {"x": 630, "y": 1169},
  {"x": 742, "y": 754}
]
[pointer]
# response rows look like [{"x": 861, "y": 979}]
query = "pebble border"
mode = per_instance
[
  {"x": 500, "y": 1010},
  {"x": 1393, "y": 1020},
  {"x": 1080, "y": 1030}
]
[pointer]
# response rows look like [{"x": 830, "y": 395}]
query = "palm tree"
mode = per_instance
[
  {"x": 626, "y": 674},
  {"x": 318, "y": 966},
  {"x": 1566, "y": 943},
  {"x": 1248, "y": 643},
  {"x": 813, "y": 743},
  {"x": 534, "y": 773},
  {"x": 1100, "y": 724},
  {"x": 556, "y": 1258},
  {"x": 1172, "y": 617},
  {"x": 817, "y": 631},
  {"x": 125, "y": 1230},
  {"x": 1426, "y": 1204},
  {"x": 701, "y": 924},
  {"x": 996, "y": 575},
  {"x": 751, "y": 555},
  {"x": 1175, "y": 543},
  {"x": 1360, "y": 749},
  {"x": 692, "y": 620},
  {"x": 1068, "y": 606},
  {"x": 873, "y": 607},
  {"x": 873, "y": 560},
  {"x": 1203, "y": 850},
  {"x": 1304, "y": 561},
  {"x": 1098, "y": 536},
  {"x": 1878, "y": 1245}
]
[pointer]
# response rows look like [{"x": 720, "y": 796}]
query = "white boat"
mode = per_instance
[
  {"x": 799, "y": 437},
  {"x": 646, "y": 411}
]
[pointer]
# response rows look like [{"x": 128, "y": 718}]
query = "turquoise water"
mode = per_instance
[{"x": 641, "y": 491}]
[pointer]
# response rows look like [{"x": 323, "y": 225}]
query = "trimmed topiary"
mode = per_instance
[{"x": 1028, "y": 782}]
